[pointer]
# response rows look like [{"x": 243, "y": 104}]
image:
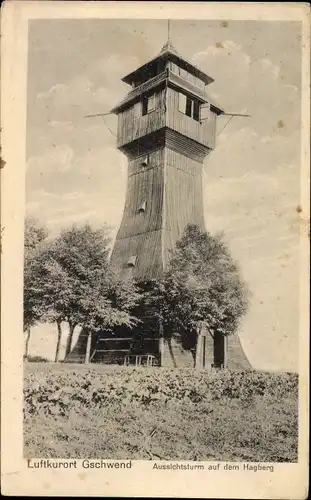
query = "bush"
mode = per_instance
[
  {"x": 59, "y": 392},
  {"x": 145, "y": 413},
  {"x": 35, "y": 359}
]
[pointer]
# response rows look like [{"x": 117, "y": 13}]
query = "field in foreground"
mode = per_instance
[{"x": 74, "y": 411}]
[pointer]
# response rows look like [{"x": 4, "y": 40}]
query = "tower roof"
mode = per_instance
[
  {"x": 168, "y": 53},
  {"x": 168, "y": 46}
]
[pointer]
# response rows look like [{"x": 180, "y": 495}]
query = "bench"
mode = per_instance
[{"x": 140, "y": 359}]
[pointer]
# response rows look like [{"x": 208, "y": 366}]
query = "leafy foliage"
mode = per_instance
[
  {"x": 35, "y": 237},
  {"x": 90, "y": 292},
  {"x": 44, "y": 390},
  {"x": 201, "y": 287},
  {"x": 37, "y": 359},
  {"x": 72, "y": 281},
  {"x": 35, "y": 234},
  {"x": 146, "y": 413}
]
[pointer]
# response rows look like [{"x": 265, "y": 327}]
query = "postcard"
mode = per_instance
[{"x": 155, "y": 249}]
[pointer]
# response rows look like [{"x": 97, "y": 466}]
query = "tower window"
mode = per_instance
[
  {"x": 148, "y": 104},
  {"x": 182, "y": 103},
  {"x": 151, "y": 103},
  {"x": 205, "y": 112},
  {"x": 144, "y": 105},
  {"x": 142, "y": 207},
  {"x": 188, "y": 106},
  {"x": 132, "y": 261},
  {"x": 144, "y": 161},
  {"x": 196, "y": 111}
]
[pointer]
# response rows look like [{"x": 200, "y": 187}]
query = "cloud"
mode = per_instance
[
  {"x": 268, "y": 66},
  {"x": 114, "y": 66},
  {"x": 94, "y": 91},
  {"x": 72, "y": 196},
  {"x": 255, "y": 85},
  {"x": 60, "y": 125},
  {"x": 251, "y": 152},
  {"x": 252, "y": 203},
  {"x": 220, "y": 49},
  {"x": 101, "y": 160},
  {"x": 58, "y": 160},
  {"x": 94, "y": 188},
  {"x": 255, "y": 206},
  {"x": 67, "y": 94},
  {"x": 71, "y": 100},
  {"x": 58, "y": 171}
]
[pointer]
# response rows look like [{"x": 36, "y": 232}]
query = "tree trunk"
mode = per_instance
[
  {"x": 161, "y": 343},
  {"x": 27, "y": 342},
  {"x": 198, "y": 350},
  {"x": 193, "y": 354},
  {"x": 225, "y": 352},
  {"x": 69, "y": 339},
  {"x": 88, "y": 347},
  {"x": 161, "y": 350},
  {"x": 59, "y": 337},
  {"x": 169, "y": 342}
]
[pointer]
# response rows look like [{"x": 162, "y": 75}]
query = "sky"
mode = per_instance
[{"x": 251, "y": 180}]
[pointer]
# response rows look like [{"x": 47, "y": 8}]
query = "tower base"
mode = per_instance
[{"x": 211, "y": 353}]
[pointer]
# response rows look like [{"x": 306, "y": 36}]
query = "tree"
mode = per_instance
[
  {"x": 76, "y": 284},
  {"x": 201, "y": 288},
  {"x": 34, "y": 238},
  {"x": 35, "y": 234},
  {"x": 49, "y": 289}
]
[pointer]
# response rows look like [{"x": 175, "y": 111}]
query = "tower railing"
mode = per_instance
[
  {"x": 173, "y": 78},
  {"x": 141, "y": 89}
]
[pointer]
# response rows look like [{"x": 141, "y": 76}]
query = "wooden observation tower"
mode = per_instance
[{"x": 166, "y": 128}]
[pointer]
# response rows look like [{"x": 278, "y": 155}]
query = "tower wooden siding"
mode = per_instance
[
  {"x": 147, "y": 247},
  {"x": 132, "y": 125},
  {"x": 170, "y": 184},
  {"x": 145, "y": 184},
  {"x": 202, "y": 132},
  {"x": 171, "y": 187},
  {"x": 183, "y": 198},
  {"x": 189, "y": 77},
  {"x": 140, "y": 233},
  {"x": 236, "y": 358}
]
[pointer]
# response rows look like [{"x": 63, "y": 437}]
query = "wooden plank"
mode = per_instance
[
  {"x": 183, "y": 198},
  {"x": 201, "y": 132},
  {"x": 185, "y": 83},
  {"x": 147, "y": 247},
  {"x": 132, "y": 125},
  {"x": 147, "y": 186},
  {"x": 112, "y": 350},
  {"x": 130, "y": 339},
  {"x": 143, "y": 88},
  {"x": 117, "y": 338},
  {"x": 185, "y": 146}
]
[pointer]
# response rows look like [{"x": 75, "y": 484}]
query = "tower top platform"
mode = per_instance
[{"x": 167, "y": 53}]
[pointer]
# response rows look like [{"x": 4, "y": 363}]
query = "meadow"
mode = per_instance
[{"x": 116, "y": 412}]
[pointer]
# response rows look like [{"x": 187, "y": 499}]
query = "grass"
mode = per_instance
[{"x": 78, "y": 411}]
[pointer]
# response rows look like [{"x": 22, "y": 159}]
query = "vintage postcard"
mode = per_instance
[{"x": 155, "y": 249}]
